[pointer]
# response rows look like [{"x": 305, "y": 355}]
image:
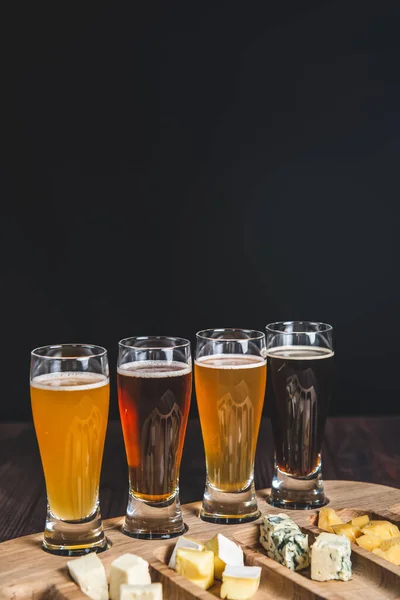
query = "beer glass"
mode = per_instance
[
  {"x": 70, "y": 399},
  {"x": 300, "y": 357},
  {"x": 154, "y": 391},
  {"x": 230, "y": 377}
]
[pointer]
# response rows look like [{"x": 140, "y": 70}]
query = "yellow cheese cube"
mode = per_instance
[
  {"x": 226, "y": 552},
  {"x": 391, "y": 550},
  {"x": 196, "y": 565},
  {"x": 386, "y": 544},
  {"x": 382, "y": 529},
  {"x": 369, "y": 542},
  {"x": 348, "y": 530},
  {"x": 379, "y": 552},
  {"x": 240, "y": 583},
  {"x": 328, "y": 517},
  {"x": 393, "y": 555},
  {"x": 360, "y": 521}
]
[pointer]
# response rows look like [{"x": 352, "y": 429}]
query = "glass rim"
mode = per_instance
[
  {"x": 177, "y": 342},
  {"x": 253, "y": 334},
  {"x": 321, "y": 327},
  {"x": 96, "y": 351}
]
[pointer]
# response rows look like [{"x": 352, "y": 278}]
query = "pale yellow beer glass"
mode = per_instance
[
  {"x": 70, "y": 400},
  {"x": 230, "y": 378}
]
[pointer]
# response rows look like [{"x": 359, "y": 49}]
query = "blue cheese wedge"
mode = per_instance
[
  {"x": 183, "y": 542},
  {"x": 284, "y": 541},
  {"x": 151, "y": 591},
  {"x": 330, "y": 558},
  {"x": 240, "y": 583},
  {"x": 127, "y": 569},
  {"x": 89, "y": 574}
]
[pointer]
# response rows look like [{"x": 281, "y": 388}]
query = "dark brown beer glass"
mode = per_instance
[
  {"x": 154, "y": 391},
  {"x": 300, "y": 356}
]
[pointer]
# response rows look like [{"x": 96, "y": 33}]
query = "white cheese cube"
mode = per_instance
[
  {"x": 330, "y": 557},
  {"x": 153, "y": 591},
  {"x": 226, "y": 552},
  {"x": 183, "y": 543},
  {"x": 240, "y": 583},
  {"x": 88, "y": 572},
  {"x": 284, "y": 541},
  {"x": 127, "y": 569}
]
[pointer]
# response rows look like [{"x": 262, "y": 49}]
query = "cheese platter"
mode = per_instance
[{"x": 26, "y": 571}]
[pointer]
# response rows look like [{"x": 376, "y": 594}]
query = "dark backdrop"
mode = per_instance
[{"x": 170, "y": 166}]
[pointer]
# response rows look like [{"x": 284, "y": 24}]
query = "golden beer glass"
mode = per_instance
[
  {"x": 70, "y": 400},
  {"x": 230, "y": 380}
]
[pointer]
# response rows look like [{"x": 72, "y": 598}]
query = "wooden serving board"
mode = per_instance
[{"x": 27, "y": 572}]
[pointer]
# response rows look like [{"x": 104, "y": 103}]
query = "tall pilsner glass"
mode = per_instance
[
  {"x": 300, "y": 356},
  {"x": 230, "y": 375},
  {"x": 70, "y": 399},
  {"x": 154, "y": 391}
]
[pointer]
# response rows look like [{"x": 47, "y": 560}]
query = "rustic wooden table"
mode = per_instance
[{"x": 355, "y": 448}]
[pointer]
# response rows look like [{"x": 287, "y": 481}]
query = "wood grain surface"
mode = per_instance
[
  {"x": 361, "y": 449},
  {"x": 29, "y": 572}
]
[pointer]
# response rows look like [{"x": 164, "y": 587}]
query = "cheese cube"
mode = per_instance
[
  {"x": 328, "y": 517},
  {"x": 226, "y": 552},
  {"x": 152, "y": 591},
  {"x": 382, "y": 529},
  {"x": 196, "y": 565},
  {"x": 284, "y": 541},
  {"x": 88, "y": 572},
  {"x": 393, "y": 555},
  {"x": 127, "y": 569},
  {"x": 330, "y": 558},
  {"x": 387, "y": 544},
  {"x": 240, "y": 583},
  {"x": 379, "y": 552},
  {"x": 390, "y": 550},
  {"x": 350, "y": 531},
  {"x": 360, "y": 521},
  {"x": 369, "y": 542},
  {"x": 183, "y": 543}
]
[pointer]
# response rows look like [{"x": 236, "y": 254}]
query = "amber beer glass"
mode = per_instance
[
  {"x": 154, "y": 391},
  {"x": 300, "y": 357},
  {"x": 70, "y": 400},
  {"x": 230, "y": 377}
]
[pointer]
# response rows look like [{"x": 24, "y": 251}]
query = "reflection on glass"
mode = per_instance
[
  {"x": 154, "y": 400},
  {"x": 230, "y": 380},
  {"x": 70, "y": 412},
  {"x": 300, "y": 358}
]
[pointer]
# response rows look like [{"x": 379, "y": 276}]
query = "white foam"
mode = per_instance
[
  {"x": 230, "y": 361},
  {"x": 300, "y": 352},
  {"x": 61, "y": 382},
  {"x": 153, "y": 369}
]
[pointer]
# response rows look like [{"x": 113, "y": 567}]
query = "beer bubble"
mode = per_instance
[
  {"x": 154, "y": 369},
  {"x": 69, "y": 381},
  {"x": 230, "y": 361}
]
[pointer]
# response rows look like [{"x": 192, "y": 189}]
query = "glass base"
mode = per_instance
[
  {"x": 154, "y": 520},
  {"x": 227, "y": 508},
  {"x": 297, "y": 493},
  {"x": 74, "y": 538}
]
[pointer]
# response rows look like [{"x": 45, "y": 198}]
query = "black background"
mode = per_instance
[{"x": 170, "y": 166}]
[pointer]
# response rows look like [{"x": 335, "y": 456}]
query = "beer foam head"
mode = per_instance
[
  {"x": 154, "y": 369},
  {"x": 230, "y": 361},
  {"x": 300, "y": 352},
  {"x": 69, "y": 381}
]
